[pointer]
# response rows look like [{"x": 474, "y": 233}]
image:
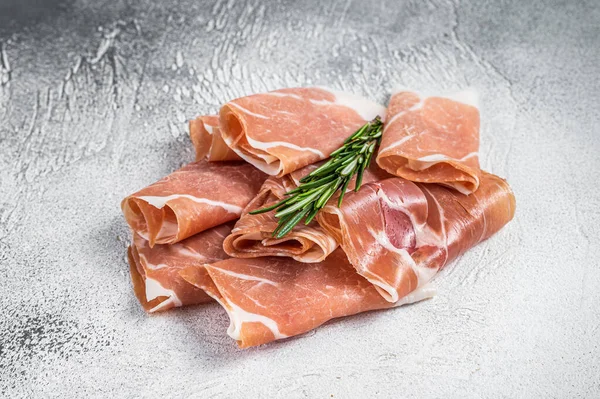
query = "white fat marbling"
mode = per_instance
[
  {"x": 436, "y": 158},
  {"x": 460, "y": 187},
  {"x": 154, "y": 290},
  {"x": 424, "y": 274},
  {"x": 261, "y": 145},
  {"x": 388, "y": 292},
  {"x": 468, "y": 96},
  {"x": 433, "y": 159},
  {"x": 160, "y": 201},
  {"x": 397, "y": 116},
  {"x": 242, "y": 276},
  {"x": 443, "y": 234},
  {"x": 208, "y": 128},
  {"x": 239, "y": 316},
  {"x": 268, "y": 168},
  {"x": 247, "y": 111},
  {"x": 182, "y": 250},
  {"x": 165, "y": 304},
  {"x": 143, "y": 234},
  {"x": 281, "y": 95},
  {"x": 366, "y": 108},
  {"x": 425, "y": 292},
  {"x": 150, "y": 266}
]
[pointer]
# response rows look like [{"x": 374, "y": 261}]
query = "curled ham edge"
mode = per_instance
[
  {"x": 151, "y": 294},
  {"x": 155, "y": 271},
  {"x": 274, "y": 157},
  {"x": 207, "y": 140},
  {"x": 179, "y": 205},
  {"x": 252, "y": 235},
  {"x": 459, "y": 172}
]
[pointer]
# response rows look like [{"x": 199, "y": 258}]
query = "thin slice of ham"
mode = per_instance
[
  {"x": 398, "y": 234},
  {"x": 283, "y": 130},
  {"x": 192, "y": 199},
  {"x": 432, "y": 139},
  {"x": 207, "y": 140},
  {"x": 155, "y": 271},
  {"x": 252, "y": 235},
  {"x": 273, "y": 298}
]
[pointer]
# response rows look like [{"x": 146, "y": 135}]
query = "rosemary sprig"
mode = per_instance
[{"x": 321, "y": 184}]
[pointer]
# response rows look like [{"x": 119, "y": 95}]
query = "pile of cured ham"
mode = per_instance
[{"x": 423, "y": 202}]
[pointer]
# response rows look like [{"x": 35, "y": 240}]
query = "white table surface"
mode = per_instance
[{"x": 518, "y": 316}]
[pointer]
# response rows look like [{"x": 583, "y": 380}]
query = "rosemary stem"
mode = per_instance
[{"x": 317, "y": 188}]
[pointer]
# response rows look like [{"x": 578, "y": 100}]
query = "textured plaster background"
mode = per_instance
[{"x": 94, "y": 98}]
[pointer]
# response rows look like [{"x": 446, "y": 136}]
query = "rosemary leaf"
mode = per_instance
[
  {"x": 317, "y": 188},
  {"x": 289, "y": 225}
]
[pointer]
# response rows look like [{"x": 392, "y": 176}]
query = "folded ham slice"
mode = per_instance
[
  {"x": 252, "y": 234},
  {"x": 398, "y": 234},
  {"x": 207, "y": 140},
  {"x": 155, "y": 271},
  {"x": 192, "y": 199},
  {"x": 432, "y": 139},
  {"x": 283, "y": 130},
  {"x": 272, "y": 298}
]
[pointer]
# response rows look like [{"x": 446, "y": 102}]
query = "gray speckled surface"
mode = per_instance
[{"x": 93, "y": 104}]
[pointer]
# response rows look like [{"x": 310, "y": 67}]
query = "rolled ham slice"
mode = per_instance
[
  {"x": 252, "y": 234},
  {"x": 192, "y": 199},
  {"x": 283, "y": 130},
  {"x": 273, "y": 298},
  {"x": 155, "y": 271},
  {"x": 398, "y": 234},
  {"x": 432, "y": 139},
  {"x": 207, "y": 140}
]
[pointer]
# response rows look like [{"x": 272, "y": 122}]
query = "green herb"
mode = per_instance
[{"x": 321, "y": 184}]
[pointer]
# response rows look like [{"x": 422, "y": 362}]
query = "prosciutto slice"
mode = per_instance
[
  {"x": 283, "y": 130},
  {"x": 192, "y": 199},
  {"x": 155, "y": 271},
  {"x": 207, "y": 140},
  {"x": 432, "y": 139},
  {"x": 252, "y": 234},
  {"x": 273, "y": 298},
  {"x": 398, "y": 234}
]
